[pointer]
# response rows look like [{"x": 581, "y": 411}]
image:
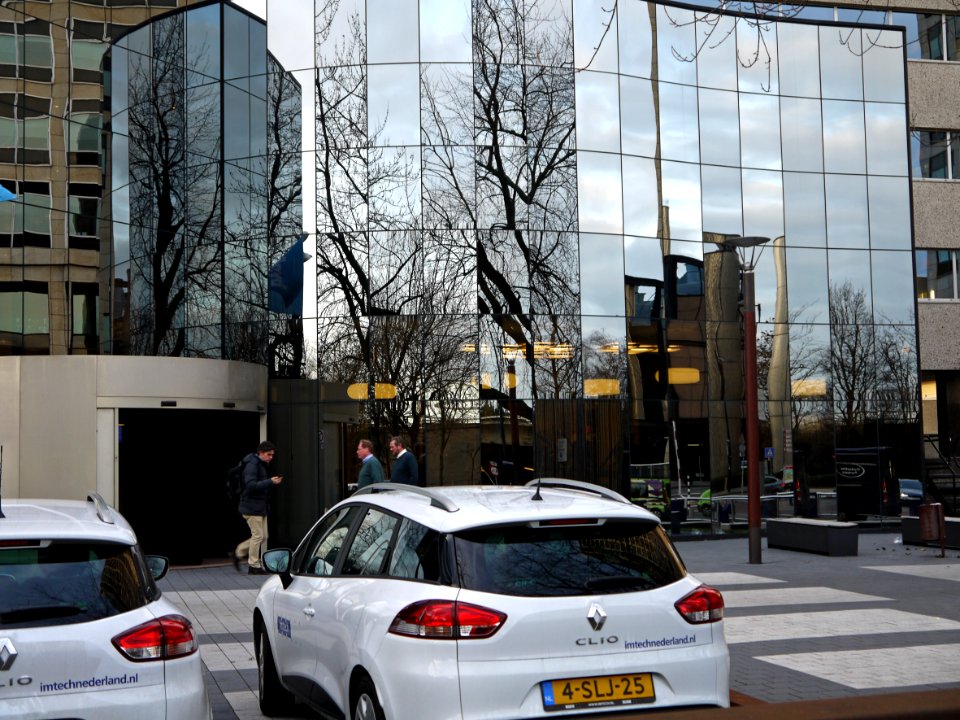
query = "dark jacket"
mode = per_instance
[
  {"x": 257, "y": 485},
  {"x": 405, "y": 470},
  {"x": 371, "y": 471}
]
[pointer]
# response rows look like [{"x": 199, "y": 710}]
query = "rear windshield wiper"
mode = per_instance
[
  {"x": 619, "y": 582},
  {"x": 42, "y": 612}
]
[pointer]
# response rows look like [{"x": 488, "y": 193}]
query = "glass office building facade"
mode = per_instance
[
  {"x": 205, "y": 190},
  {"x": 523, "y": 220}
]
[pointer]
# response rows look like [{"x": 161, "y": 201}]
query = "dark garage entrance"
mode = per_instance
[{"x": 172, "y": 467}]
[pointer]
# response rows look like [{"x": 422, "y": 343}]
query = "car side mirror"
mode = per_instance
[
  {"x": 158, "y": 566},
  {"x": 278, "y": 561}
]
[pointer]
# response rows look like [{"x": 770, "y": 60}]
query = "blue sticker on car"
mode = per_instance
[{"x": 283, "y": 626}]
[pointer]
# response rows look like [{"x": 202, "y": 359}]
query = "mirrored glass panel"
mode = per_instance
[
  {"x": 641, "y": 199},
  {"x": 719, "y": 128},
  {"x": 886, "y": 130},
  {"x": 851, "y": 293},
  {"x": 889, "y": 213},
  {"x": 807, "y": 285},
  {"x": 717, "y": 57},
  {"x": 643, "y": 257},
  {"x": 758, "y": 62},
  {"x": 893, "y": 291},
  {"x": 799, "y": 55},
  {"x": 847, "y": 224},
  {"x": 392, "y": 31},
  {"x": 676, "y": 46},
  {"x": 762, "y": 203},
  {"x": 722, "y": 202},
  {"x": 678, "y": 122},
  {"x": 595, "y": 39},
  {"x": 760, "y": 131},
  {"x": 445, "y": 30},
  {"x": 638, "y": 126},
  {"x": 601, "y": 266},
  {"x": 636, "y": 39},
  {"x": 681, "y": 207},
  {"x": 394, "y": 104},
  {"x": 844, "y": 144},
  {"x": 598, "y": 126},
  {"x": 800, "y": 121},
  {"x": 841, "y": 76},
  {"x": 599, "y": 193},
  {"x": 884, "y": 64},
  {"x": 804, "y": 210}
]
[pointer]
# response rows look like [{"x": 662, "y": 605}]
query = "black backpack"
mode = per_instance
[{"x": 235, "y": 482}]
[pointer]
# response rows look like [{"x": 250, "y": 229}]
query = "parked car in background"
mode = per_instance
[
  {"x": 84, "y": 631},
  {"x": 550, "y": 599},
  {"x": 911, "y": 496}
]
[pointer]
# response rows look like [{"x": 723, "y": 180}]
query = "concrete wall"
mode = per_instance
[{"x": 58, "y": 414}]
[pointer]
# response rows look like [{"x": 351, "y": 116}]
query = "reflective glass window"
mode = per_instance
[
  {"x": 638, "y": 125},
  {"x": 636, "y": 37},
  {"x": 599, "y": 192},
  {"x": 445, "y": 30},
  {"x": 799, "y": 56},
  {"x": 760, "y": 131},
  {"x": 801, "y": 129},
  {"x": 892, "y": 286},
  {"x": 598, "y": 126},
  {"x": 393, "y": 31},
  {"x": 601, "y": 260},
  {"x": 889, "y": 199},
  {"x": 936, "y": 274},
  {"x": 762, "y": 203},
  {"x": 847, "y": 224},
  {"x": 930, "y": 154},
  {"x": 844, "y": 140},
  {"x": 841, "y": 75},
  {"x": 394, "y": 104},
  {"x": 720, "y": 127},
  {"x": 886, "y": 127}
]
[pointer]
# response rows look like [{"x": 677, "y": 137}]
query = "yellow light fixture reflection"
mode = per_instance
[
  {"x": 381, "y": 391},
  {"x": 510, "y": 379},
  {"x": 928, "y": 390},
  {"x": 635, "y": 348},
  {"x": 601, "y": 387},
  {"x": 808, "y": 388},
  {"x": 610, "y": 347},
  {"x": 681, "y": 376}
]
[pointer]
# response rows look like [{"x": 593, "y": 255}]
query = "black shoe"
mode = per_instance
[
  {"x": 256, "y": 571},
  {"x": 236, "y": 562}
]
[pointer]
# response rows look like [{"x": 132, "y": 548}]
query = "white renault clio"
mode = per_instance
[
  {"x": 486, "y": 602},
  {"x": 84, "y": 632}
]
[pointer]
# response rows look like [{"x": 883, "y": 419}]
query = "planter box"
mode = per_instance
[{"x": 825, "y": 537}]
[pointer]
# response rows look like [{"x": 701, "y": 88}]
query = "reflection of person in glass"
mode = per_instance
[
  {"x": 371, "y": 471},
  {"x": 405, "y": 470}
]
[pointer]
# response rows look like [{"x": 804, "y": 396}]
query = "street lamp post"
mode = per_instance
[{"x": 747, "y": 267}]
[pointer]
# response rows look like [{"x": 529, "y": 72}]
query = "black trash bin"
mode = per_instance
[{"x": 678, "y": 513}]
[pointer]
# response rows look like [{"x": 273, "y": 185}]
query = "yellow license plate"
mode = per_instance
[{"x": 597, "y": 691}]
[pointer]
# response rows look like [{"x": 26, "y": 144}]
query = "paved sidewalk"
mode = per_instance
[{"x": 799, "y": 626}]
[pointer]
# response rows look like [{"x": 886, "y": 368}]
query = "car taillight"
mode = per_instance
[
  {"x": 703, "y": 605},
  {"x": 446, "y": 620},
  {"x": 165, "y": 638}
]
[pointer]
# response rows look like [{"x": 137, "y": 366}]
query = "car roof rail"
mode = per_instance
[
  {"x": 437, "y": 499},
  {"x": 565, "y": 483},
  {"x": 103, "y": 510}
]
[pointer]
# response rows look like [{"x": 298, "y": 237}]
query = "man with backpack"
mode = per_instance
[{"x": 255, "y": 506}]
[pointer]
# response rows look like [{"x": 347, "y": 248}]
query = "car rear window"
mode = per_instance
[
  {"x": 613, "y": 556},
  {"x": 61, "y": 583}
]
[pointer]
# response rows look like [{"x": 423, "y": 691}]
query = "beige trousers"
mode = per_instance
[{"x": 256, "y": 544}]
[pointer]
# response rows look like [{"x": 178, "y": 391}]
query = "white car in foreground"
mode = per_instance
[
  {"x": 486, "y": 602},
  {"x": 84, "y": 632}
]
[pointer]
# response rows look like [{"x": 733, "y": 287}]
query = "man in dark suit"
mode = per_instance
[{"x": 405, "y": 469}]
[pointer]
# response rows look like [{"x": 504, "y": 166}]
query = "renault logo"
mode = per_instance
[
  {"x": 596, "y": 616},
  {"x": 8, "y": 653}
]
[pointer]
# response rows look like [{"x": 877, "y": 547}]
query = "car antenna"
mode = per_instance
[{"x": 536, "y": 496}]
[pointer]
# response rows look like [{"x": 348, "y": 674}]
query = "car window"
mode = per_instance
[
  {"x": 416, "y": 554},
  {"x": 611, "y": 557},
  {"x": 61, "y": 583},
  {"x": 326, "y": 541},
  {"x": 370, "y": 544}
]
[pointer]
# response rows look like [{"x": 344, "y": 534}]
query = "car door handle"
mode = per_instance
[{"x": 309, "y": 611}]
